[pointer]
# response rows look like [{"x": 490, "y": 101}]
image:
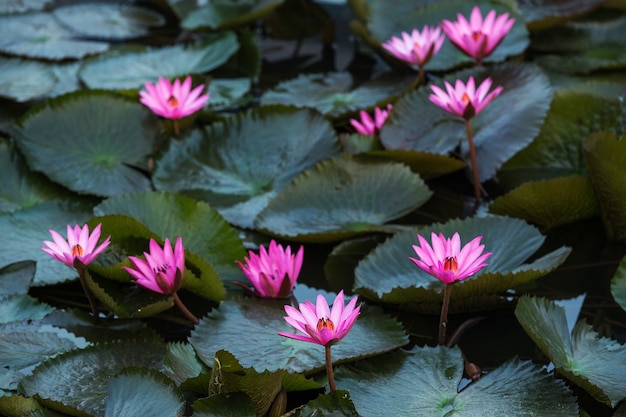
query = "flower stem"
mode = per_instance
[
  {"x": 184, "y": 309},
  {"x": 470, "y": 138},
  {"x": 80, "y": 268},
  {"x": 443, "y": 320},
  {"x": 329, "y": 369},
  {"x": 175, "y": 125}
]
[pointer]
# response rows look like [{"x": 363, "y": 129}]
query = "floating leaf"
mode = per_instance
[
  {"x": 108, "y": 21},
  {"x": 335, "y": 404},
  {"x": 182, "y": 365},
  {"x": 549, "y": 203},
  {"x": 261, "y": 320},
  {"x": 76, "y": 382},
  {"x": 227, "y": 92},
  {"x": 220, "y": 14},
  {"x": 21, "y": 307},
  {"x": 416, "y": 123},
  {"x": 540, "y": 14},
  {"x": 428, "y": 165},
  {"x": 387, "y": 274},
  {"x": 242, "y": 163},
  {"x": 575, "y": 112},
  {"x": 606, "y": 158},
  {"x": 21, "y": 6},
  {"x": 132, "y": 70},
  {"x": 425, "y": 382},
  {"x": 40, "y": 35},
  {"x": 618, "y": 284},
  {"x": 595, "y": 363},
  {"x": 22, "y": 80},
  {"x": 333, "y": 95},
  {"x": 92, "y": 142},
  {"x": 224, "y": 405},
  {"x": 134, "y": 392},
  {"x": 342, "y": 197},
  {"x": 16, "y": 278}
]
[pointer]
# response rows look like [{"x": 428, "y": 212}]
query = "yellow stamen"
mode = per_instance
[
  {"x": 325, "y": 323},
  {"x": 77, "y": 250},
  {"x": 450, "y": 264},
  {"x": 465, "y": 98}
]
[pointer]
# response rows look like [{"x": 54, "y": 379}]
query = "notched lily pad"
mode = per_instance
[
  {"x": 22, "y": 80},
  {"x": 21, "y": 6},
  {"x": 220, "y": 14},
  {"x": 541, "y": 14},
  {"x": 342, "y": 197},
  {"x": 427, "y": 165},
  {"x": 16, "y": 278}
]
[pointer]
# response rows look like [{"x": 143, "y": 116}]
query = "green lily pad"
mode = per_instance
[
  {"x": 541, "y": 14},
  {"x": 108, "y": 21},
  {"x": 76, "y": 382},
  {"x": 22, "y": 80},
  {"x": 594, "y": 363},
  {"x": 228, "y": 92},
  {"x": 25, "y": 344},
  {"x": 416, "y": 123},
  {"x": 92, "y": 142},
  {"x": 426, "y": 382},
  {"x": 21, "y": 307},
  {"x": 241, "y": 164},
  {"x": 342, "y": 261},
  {"x": 135, "y": 392},
  {"x": 224, "y": 405},
  {"x": 343, "y": 197},
  {"x": 387, "y": 274},
  {"x": 131, "y": 70},
  {"x": 583, "y": 46},
  {"x": 427, "y": 165},
  {"x": 220, "y": 14},
  {"x": 19, "y": 406},
  {"x": 40, "y": 35},
  {"x": 203, "y": 230},
  {"x": 17, "y": 278},
  {"x": 260, "y": 321},
  {"x": 380, "y": 21},
  {"x": 25, "y": 230},
  {"x": 575, "y": 112},
  {"x": 606, "y": 158},
  {"x": 21, "y": 6},
  {"x": 549, "y": 203},
  {"x": 334, "y": 404},
  {"x": 333, "y": 94},
  {"x": 618, "y": 284},
  {"x": 183, "y": 366}
]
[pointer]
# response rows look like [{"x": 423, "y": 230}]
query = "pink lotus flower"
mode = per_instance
[
  {"x": 319, "y": 324},
  {"x": 464, "y": 100},
  {"x": 368, "y": 126},
  {"x": 446, "y": 261},
  {"x": 79, "y": 245},
  {"x": 272, "y": 273},
  {"x": 162, "y": 270},
  {"x": 173, "y": 101},
  {"x": 478, "y": 38},
  {"x": 418, "y": 47}
]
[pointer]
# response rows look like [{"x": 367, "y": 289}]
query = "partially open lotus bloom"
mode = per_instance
[
  {"x": 416, "y": 48},
  {"x": 371, "y": 126},
  {"x": 446, "y": 260},
  {"x": 80, "y": 244},
  {"x": 273, "y": 273},
  {"x": 173, "y": 101},
  {"x": 162, "y": 270},
  {"x": 478, "y": 38},
  {"x": 319, "y": 324},
  {"x": 464, "y": 100}
]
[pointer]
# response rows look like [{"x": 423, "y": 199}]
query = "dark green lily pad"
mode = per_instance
[
  {"x": 426, "y": 382},
  {"x": 92, "y": 142},
  {"x": 131, "y": 70},
  {"x": 76, "y": 382},
  {"x": 333, "y": 94},
  {"x": 575, "y": 112},
  {"x": 183, "y": 366},
  {"x": 135, "y": 392},
  {"x": 67, "y": 78},
  {"x": 379, "y": 22},
  {"x": 541, "y": 14},
  {"x": 224, "y": 405},
  {"x": 427, "y": 165},
  {"x": 387, "y": 274},
  {"x": 108, "y": 21},
  {"x": 19, "y": 406},
  {"x": 227, "y": 92},
  {"x": 220, "y": 14},
  {"x": 594, "y": 363},
  {"x": 203, "y": 230},
  {"x": 22, "y": 80},
  {"x": 40, "y": 35},
  {"x": 261, "y": 320},
  {"x": 618, "y": 284},
  {"x": 17, "y": 278},
  {"x": 583, "y": 46},
  {"x": 549, "y": 203},
  {"x": 416, "y": 123},
  {"x": 21, "y": 307},
  {"x": 334, "y": 404},
  {"x": 21, "y": 6},
  {"x": 241, "y": 164},
  {"x": 606, "y": 158},
  {"x": 343, "y": 197}
]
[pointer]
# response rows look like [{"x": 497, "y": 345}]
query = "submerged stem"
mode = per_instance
[
  {"x": 443, "y": 320},
  {"x": 329, "y": 369},
  {"x": 184, "y": 309},
  {"x": 470, "y": 138}
]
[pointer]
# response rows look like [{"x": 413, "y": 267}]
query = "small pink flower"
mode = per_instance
[
  {"x": 464, "y": 100},
  {"x": 418, "y": 47},
  {"x": 162, "y": 270},
  {"x": 319, "y": 324},
  {"x": 173, "y": 101},
  {"x": 446, "y": 261},
  {"x": 272, "y": 273},
  {"x": 478, "y": 38},
  {"x": 367, "y": 125},
  {"x": 79, "y": 245}
]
